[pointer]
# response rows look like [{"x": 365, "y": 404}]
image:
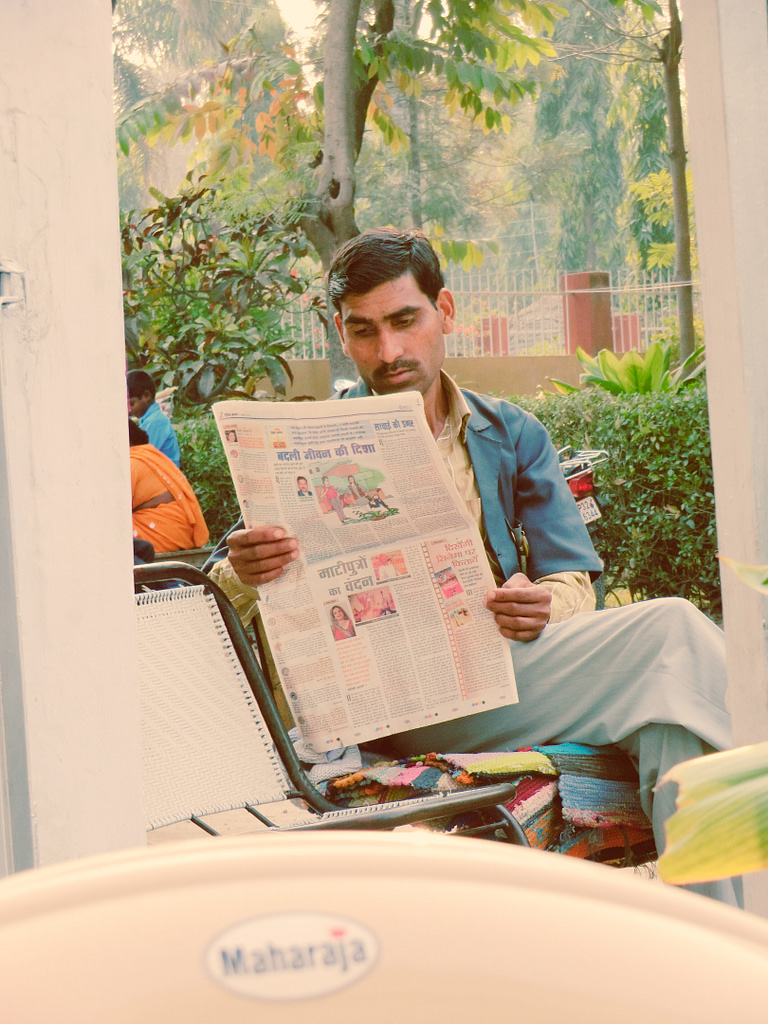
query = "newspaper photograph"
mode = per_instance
[{"x": 379, "y": 626}]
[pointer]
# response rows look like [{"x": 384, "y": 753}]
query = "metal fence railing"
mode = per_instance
[
  {"x": 301, "y": 321},
  {"x": 529, "y": 314},
  {"x": 644, "y": 308}
]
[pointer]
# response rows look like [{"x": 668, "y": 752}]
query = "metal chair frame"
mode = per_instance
[{"x": 328, "y": 815}]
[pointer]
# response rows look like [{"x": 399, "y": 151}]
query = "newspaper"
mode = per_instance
[{"x": 379, "y": 626}]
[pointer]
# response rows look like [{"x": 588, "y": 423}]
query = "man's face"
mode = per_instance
[
  {"x": 394, "y": 335},
  {"x": 138, "y": 406},
  {"x": 303, "y": 485}
]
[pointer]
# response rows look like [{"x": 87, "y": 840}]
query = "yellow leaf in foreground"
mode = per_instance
[
  {"x": 721, "y": 825},
  {"x": 702, "y": 776},
  {"x": 722, "y": 835}
]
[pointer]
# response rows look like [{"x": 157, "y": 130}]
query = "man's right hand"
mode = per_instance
[{"x": 260, "y": 555}]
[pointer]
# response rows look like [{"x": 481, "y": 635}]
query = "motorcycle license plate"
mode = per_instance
[{"x": 590, "y": 510}]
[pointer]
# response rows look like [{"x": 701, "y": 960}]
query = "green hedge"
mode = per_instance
[
  {"x": 205, "y": 466},
  {"x": 658, "y": 526}
]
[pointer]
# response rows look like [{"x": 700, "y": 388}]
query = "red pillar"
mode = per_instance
[{"x": 587, "y": 305}]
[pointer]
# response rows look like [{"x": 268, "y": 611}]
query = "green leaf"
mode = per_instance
[
  {"x": 276, "y": 368},
  {"x": 124, "y": 139},
  {"x": 650, "y": 9},
  {"x": 318, "y": 97},
  {"x": 609, "y": 364},
  {"x": 505, "y": 55},
  {"x": 490, "y": 80},
  {"x": 561, "y": 387},
  {"x": 661, "y": 255},
  {"x": 470, "y": 74},
  {"x": 632, "y": 374},
  {"x": 587, "y": 361},
  {"x": 477, "y": 256},
  {"x": 692, "y": 365},
  {"x": 613, "y": 387},
  {"x": 656, "y": 361}
]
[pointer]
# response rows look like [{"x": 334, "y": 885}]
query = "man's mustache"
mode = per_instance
[{"x": 395, "y": 367}]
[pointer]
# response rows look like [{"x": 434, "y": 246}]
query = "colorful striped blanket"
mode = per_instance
[{"x": 572, "y": 799}]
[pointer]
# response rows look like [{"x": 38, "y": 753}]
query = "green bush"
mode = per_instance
[
  {"x": 204, "y": 464},
  {"x": 205, "y": 290},
  {"x": 658, "y": 526}
]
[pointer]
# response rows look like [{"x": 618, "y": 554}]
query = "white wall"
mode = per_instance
[
  {"x": 69, "y": 701},
  {"x": 726, "y": 57}
]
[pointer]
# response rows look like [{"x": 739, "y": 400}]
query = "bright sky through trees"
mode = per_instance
[{"x": 299, "y": 14}]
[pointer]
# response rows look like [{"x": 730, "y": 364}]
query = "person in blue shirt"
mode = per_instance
[{"x": 152, "y": 419}]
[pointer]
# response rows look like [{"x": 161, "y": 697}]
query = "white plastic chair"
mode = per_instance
[{"x": 374, "y": 927}]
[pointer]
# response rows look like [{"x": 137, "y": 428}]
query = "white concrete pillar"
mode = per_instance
[
  {"x": 70, "y": 765},
  {"x": 726, "y": 62}
]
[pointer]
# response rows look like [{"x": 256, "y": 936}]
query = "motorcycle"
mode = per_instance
[{"x": 578, "y": 468}]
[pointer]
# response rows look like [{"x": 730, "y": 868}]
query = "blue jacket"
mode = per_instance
[
  {"x": 160, "y": 432},
  {"x": 520, "y": 483}
]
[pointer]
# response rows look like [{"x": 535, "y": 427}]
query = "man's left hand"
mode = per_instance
[{"x": 521, "y": 608}]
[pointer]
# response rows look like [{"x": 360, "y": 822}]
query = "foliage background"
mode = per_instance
[
  {"x": 204, "y": 287},
  {"x": 658, "y": 525},
  {"x": 204, "y": 464}
]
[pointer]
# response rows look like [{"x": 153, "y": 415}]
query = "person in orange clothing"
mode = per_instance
[{"x": 165, "y": 510}]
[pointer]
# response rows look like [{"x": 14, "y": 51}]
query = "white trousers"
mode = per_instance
[{"x": 649, "y": 677}]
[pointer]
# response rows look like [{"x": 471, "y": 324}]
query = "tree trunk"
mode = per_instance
[
  {"x": 670, "y": 51},
  {"x": 414, "y": 163},
  {"x": 329, "y": 218}
]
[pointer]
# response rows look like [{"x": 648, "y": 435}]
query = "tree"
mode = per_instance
[
  {"x": 573, "y": 115},
  {"x": 314, "y": 135},
  {"x": 654, "y": 198},
  {"x": 643, "y": 110},
  {"x": 154, "y": 41},
  {"x": 626, "y": 40},
  {"x": 449, "y": 178},
  {"x": 670, "y": 52},
  {"x": 204, "y": 289}
]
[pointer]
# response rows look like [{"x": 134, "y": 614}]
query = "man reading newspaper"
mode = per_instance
[{"x": 649, "y": 677}]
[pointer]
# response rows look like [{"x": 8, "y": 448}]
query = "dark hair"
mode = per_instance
[
  {"x": 382, "y": 255},
  {"x": 138, "y": 382},
  {"x": 302, "y": 478},
  {"x": 136, "y": 435}
]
